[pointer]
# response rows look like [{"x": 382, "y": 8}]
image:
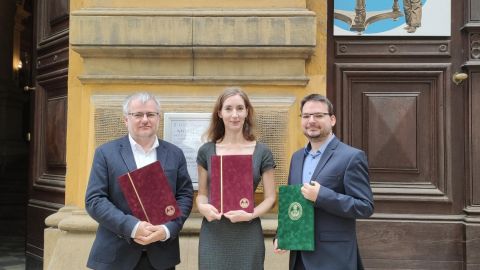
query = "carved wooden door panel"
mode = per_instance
[
  {"x": 49, "y": 114},
  {"x": 395, "y": 99}
]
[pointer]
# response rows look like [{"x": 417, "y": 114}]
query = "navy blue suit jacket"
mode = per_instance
[
  {"x": 344, "y": 196},
  {"x": 113, "y": 247}
]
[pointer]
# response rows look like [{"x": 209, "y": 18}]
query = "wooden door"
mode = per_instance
[
  {"x": 49, "y": 121},
  {"x": 395, "y": 99},
  {"x": 472, "y": 105}
]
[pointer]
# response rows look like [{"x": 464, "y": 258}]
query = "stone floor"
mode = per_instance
[{"x": 12, "y": 253}]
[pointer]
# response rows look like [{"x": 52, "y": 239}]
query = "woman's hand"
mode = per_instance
[
  {"x": 239, "y": 216},
  {"x": 209, "y": 211}
]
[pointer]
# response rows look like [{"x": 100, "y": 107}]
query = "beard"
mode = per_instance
[{"x": 319, "y": 134}]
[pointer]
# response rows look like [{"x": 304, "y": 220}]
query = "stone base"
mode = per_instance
[{"x": 71, "y": 233}]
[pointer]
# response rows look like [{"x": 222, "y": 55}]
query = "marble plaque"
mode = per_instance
[{"x": 185, "y": 130}]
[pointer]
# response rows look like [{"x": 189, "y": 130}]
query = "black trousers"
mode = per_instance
[
  {"x": 299, "y": 262},
  {"x": 144, "y": 263}
]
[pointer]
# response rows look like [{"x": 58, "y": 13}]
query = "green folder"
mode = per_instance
[{"x": 295, "y": 220}]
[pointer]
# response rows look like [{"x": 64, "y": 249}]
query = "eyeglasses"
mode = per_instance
[
  {"x": 316, "y": 116},
  {"x": 140, "y": 115}
]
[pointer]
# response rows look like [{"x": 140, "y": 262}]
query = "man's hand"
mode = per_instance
[
  {"x": 157, "y": 234},
  {"x": 310, "y": 191},
  {"x": 142, "y": 230},
  {"x": 276, "y": 250},
  {"x": 238, "y": 216},
  {"x": 209, "y": 211}
]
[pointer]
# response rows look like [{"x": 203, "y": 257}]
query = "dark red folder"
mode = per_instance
[
  {"x": 149, "y": 195},
  {"x": 231, "y": 183}
]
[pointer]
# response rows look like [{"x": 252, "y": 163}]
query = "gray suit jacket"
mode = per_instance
[
  {"x": 113, "y": 247},
  {"x": 345, "y": 195}
]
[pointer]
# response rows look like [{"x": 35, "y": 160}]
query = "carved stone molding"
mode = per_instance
[{"x": 245, "y": 46}]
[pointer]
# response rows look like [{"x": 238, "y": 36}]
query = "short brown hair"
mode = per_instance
[{"x": 319, "y": 98}]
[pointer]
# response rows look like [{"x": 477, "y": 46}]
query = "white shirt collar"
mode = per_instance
[{"x": 138, "y": 148}]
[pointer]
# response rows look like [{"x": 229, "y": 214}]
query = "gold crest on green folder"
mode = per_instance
[{"x": 295, "y": 220}]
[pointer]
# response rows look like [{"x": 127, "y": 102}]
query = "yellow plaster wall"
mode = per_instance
[{"x": 80, "y": 146}]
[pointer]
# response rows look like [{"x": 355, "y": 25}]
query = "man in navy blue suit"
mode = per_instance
[
  {"x": 122, "y": 240},
  {"x": 335, "y": 178}
]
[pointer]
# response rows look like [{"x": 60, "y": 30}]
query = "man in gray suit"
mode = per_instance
[
  {"x": 122, "y": 240},
  {"x": 335, "y": 178}
]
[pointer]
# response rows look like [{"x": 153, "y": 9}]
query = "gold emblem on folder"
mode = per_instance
[
  {"x": 244, "y": 202},
  {"x": 170, "y": 210}
]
